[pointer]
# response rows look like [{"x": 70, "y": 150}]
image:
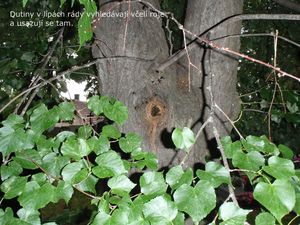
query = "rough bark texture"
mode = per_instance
[{"x": 158, "y": 102}]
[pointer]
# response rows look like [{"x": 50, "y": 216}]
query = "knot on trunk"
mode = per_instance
[{"x": 155, "y": 110}]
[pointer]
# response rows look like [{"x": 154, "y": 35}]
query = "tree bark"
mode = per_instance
[{"x": 160, "y": 101}]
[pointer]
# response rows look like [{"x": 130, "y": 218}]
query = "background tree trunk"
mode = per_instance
[{"x": 158, "y": 102}]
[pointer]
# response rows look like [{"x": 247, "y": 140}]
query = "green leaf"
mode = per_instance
[
  {"x": 70, "y": 170},
  {"x": 239, "y": 220},
  {"x": 197, "y": 202},
  {"x": 14, "y": 140},
  {"x": 12, "y": 169},
  {"x": 109, "y": 163},
  {"x": 75, "y": 148},
  {"x": 183, "y": 138},
  {"x": 85, "y": 131},
  {"x": 13, "y": 186},
  {"x": 230, "y": 210},
  {"x": 251, "y": 161},
  {"x": 101, "y": 218},
  {"x": 264, "y": 219},
  {"x": 88, "y": 184},
  {"x": 153, "y": 183},
  {"x": 66, "y": 112},
  {"x": 96, "y": 104},
  {"x": 120, "y": 185},
  {"x": 42, "y": 119},
  {"x": 29, "y": 215},
  {"x": 215, "y": 174},
  {"x": 36, "y": 197},
  {"x": 176, "y": 177},
  {"x": 80, "y": 176},
  {"x": 116, "y": 112},
  {"x": 179, "y": 220},
  {"x": 286, "y": 151},
  {"x": 62, "y": 136},
  {"x": 13, "y": 121},
  {"x": 40, "y": 178},
  {"x": 111, "y": 131},
  {"x": 53, "y": 163},
  {"x": 160, "y": 209},
  {"x": 130, "y": 143},
  {"x": 100, "y": 145},
  {"x": 280, "y": 168},
  {"x": 85, "y": 31},
  {"x": 261, "y": 144},
  {"x": 279, "y": 198},
  {"x": 230, "y": 147},
  {"x": 62, "y": 2},
  {"x": 63, "y": 191},
  {"x": 24, "y": 2}
]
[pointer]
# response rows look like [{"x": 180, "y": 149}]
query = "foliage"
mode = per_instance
[
  {"x": 39, "y": 169},
  {"x": 257, "y": 85}
]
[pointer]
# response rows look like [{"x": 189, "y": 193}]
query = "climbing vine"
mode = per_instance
[{"x": 39, "y": 168}]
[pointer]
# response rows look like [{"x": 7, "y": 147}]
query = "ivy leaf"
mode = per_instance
[
  {"x": 29, "y": 215},
  {"x": 197, "y": 202},
  {"x": 13, "y": 186},
  {"x": 179, "y": 220},
  {"x": 214, "y": 173},
  {"x": 70, "y": 170},
  {"x": 109, "y": 163},
  {"x": 85, "y": 132},
  {"x": 12, "y": 169},
  {"x": 261, "y": 144},
  {"x": 53, "y": 163},
  {"x": 153, "y": 183},
  {"x": 160, "y": 210},
  {"x": 130, "y": 143},
  {"x": 63, "y": 191},
  {"x": 264, "y": 219},
  {"x": 282, "y": 194},
  {"x": 80, "y": 176},
  {"x": 100, "y": 145},
  {"x": 120, "y": 185},
  {"x": 66, "y": 111},
  {"x": 230, "y": 211},
  {"x": 251, "y": 161},
  {"x": 116, "y": 112},
  {"x": 111, "y": 131},
  {"x": 75, "y": 148},
  {"x": 176, "y": 177},
  {"x": 88, "y": 184},
  {"x": 85, "y": 31},
  {"x": 24, "y": 2},
  {"x": 280, "y": 168},
  {"x": 42, "y": 119},
  {"x": 62, "y": 2},
  {"x": 286, "y": 151},
  {"x": 94, "y": 104},
  {"x": 13, "y": 121},
  {"x": 230, "y": 147},
  {"x": 101, "y": 218},
  {"x": 183, "y": 138},
  {"x": 62, "y": 136}
]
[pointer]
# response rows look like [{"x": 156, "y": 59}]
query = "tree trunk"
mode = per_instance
[{"x": 159, "y": 102}]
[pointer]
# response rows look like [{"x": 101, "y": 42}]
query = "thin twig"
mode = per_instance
[
  {"x": 36, "y": 74},
  {"x": 230, "y": 121}
]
